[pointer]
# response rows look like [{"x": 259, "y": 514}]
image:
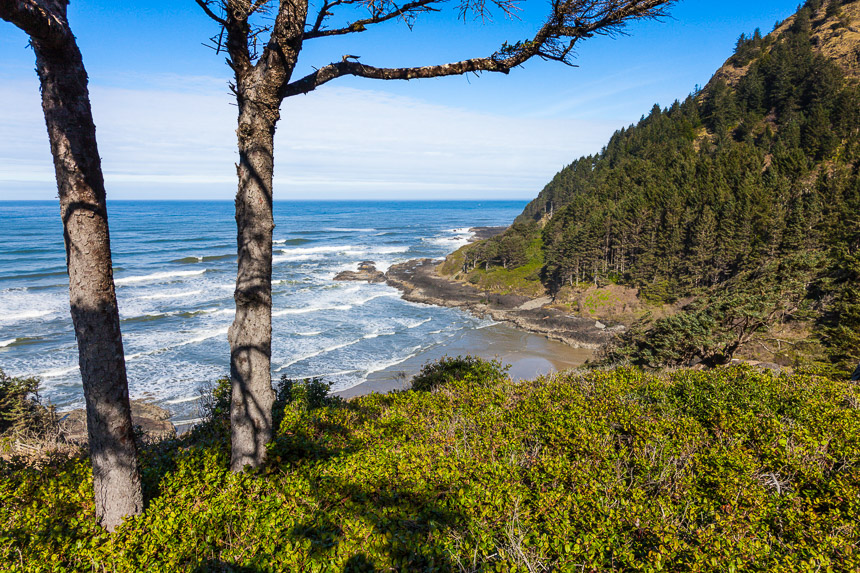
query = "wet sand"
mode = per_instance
[
  {"x": 530, "y": 355},
  {"x": 531, "y": 336}
]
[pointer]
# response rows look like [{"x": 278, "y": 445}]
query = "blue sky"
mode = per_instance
[{"x": 166, "y": 125}]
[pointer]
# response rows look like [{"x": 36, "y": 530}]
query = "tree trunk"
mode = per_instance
[
  {"x": 65, "y": 101},
  {"x": 250, "y": 335},
  {"x": 259, "y": 92}
]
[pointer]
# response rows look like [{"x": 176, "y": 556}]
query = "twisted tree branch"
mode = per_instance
[
  {"x": 411, "y": 8},
  {"x": 42, "y": 20},
  {"x": 205, "y": 5},
  {"x": 569, "y": 22}
]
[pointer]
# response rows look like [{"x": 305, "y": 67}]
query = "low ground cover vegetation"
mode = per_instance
[{"x": 730, "y": 469}]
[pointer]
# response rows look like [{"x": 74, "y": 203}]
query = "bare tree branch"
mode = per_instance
[
  {"x": 205, "y": 5},
  {"x": 43, "y": 20},
  {"x": 383, "y": 10},
  {"x": 379, "y": 16},
  {"x": 259, "y": 5},
  {"x": 569, "y": 22},
  {"x": 348, "y": 67},
  {"x": 482, "y": 12},
  {"x": 324, "y": 12}
]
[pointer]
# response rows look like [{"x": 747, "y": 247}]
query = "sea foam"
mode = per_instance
[
  {"x": 25, "y": 315},
  {"x": 58, "y": 372},
  {"x": 176, "y": 278},
  {"x": 379, "y": 366},
  {"x": 168, "y": 295},
  {"x": 317, "y": 353},
  {"x": 158, "y": 277},
  {"x": 311, "y": 309}
]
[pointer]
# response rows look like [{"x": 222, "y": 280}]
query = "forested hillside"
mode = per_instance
[{"x": 744, "y": 196}]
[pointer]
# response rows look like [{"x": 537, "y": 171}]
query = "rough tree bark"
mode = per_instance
[
  {"x": 261, "y": 84},
  {"x": 250, "y": 335},
  {"x": 258, "y": 93},
  {"x": 72, "y": 134}
]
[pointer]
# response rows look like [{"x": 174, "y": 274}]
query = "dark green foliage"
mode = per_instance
[
  {"x": 841, "y": 323},
  {"x": 679, "y": 339},
  {"x": 747, "y": 174},
  {"x": 22, "y": 413},
  {"x": 469, "y": 369},
  {"x": 668, "y": 203},
  {"x": 507, "y": 250},
  {"x": 712, "y": 328},
  {"x": 309, "y": 393},
  {"x": 720, "y": 111},
  {"x": 726, "y": 470},
  {"x": 748, "y": 48}
]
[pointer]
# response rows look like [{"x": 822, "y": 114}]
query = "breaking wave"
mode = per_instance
[{"x": 158, "y": 277}]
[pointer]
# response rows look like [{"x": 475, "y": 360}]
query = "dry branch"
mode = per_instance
[
  {"x": 569, "y": 22},
  {"x": 40, "y": 19}
]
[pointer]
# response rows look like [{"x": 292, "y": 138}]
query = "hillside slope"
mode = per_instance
[
  {"x": 743, "y": 196},
  {"x": 833, "y": 32}
]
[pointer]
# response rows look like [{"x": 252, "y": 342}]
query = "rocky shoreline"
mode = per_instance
[{"x": 418, "y": 281}]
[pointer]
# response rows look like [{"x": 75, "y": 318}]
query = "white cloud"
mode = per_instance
[{"x": 176, "y": 138}]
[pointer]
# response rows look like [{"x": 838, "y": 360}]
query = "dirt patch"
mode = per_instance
[
  {"x": 783, "y": 344},
  {"x": 612, "y": 303}
]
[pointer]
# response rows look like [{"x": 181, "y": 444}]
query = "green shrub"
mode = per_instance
[
  {"x": 296, "y": 399},
  {"x": 471, "y": 369},
  {"x": 722, "y": 470},
  {"x": 215, "y": 400},
  {"x": 309, "y": 393},
  {"x": 214, "y": 410},
  {"x": 22, "y": 413},
  {"x": 296, "y": 395}
]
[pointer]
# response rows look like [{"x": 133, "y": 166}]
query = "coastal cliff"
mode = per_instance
[{"x": 722, "y": 226}]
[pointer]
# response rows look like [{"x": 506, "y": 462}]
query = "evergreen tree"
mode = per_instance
[{"x": 735, "y": 178}]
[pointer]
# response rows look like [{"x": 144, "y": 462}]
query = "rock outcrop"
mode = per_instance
[
  {"x": 418, "y": 281},
  {"x": 366, "y": 272},
  {"x": 153, "y": 421}
]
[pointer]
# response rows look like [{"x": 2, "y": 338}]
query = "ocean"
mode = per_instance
[{"x": 174, "y": 268}]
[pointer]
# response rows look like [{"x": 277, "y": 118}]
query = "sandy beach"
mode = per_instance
[
  {"x": 530, "y": 355},
  {"x": 530, "y": 336}
]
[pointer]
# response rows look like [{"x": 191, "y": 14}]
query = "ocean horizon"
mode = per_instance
[{"x": 174, "y": 269}]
